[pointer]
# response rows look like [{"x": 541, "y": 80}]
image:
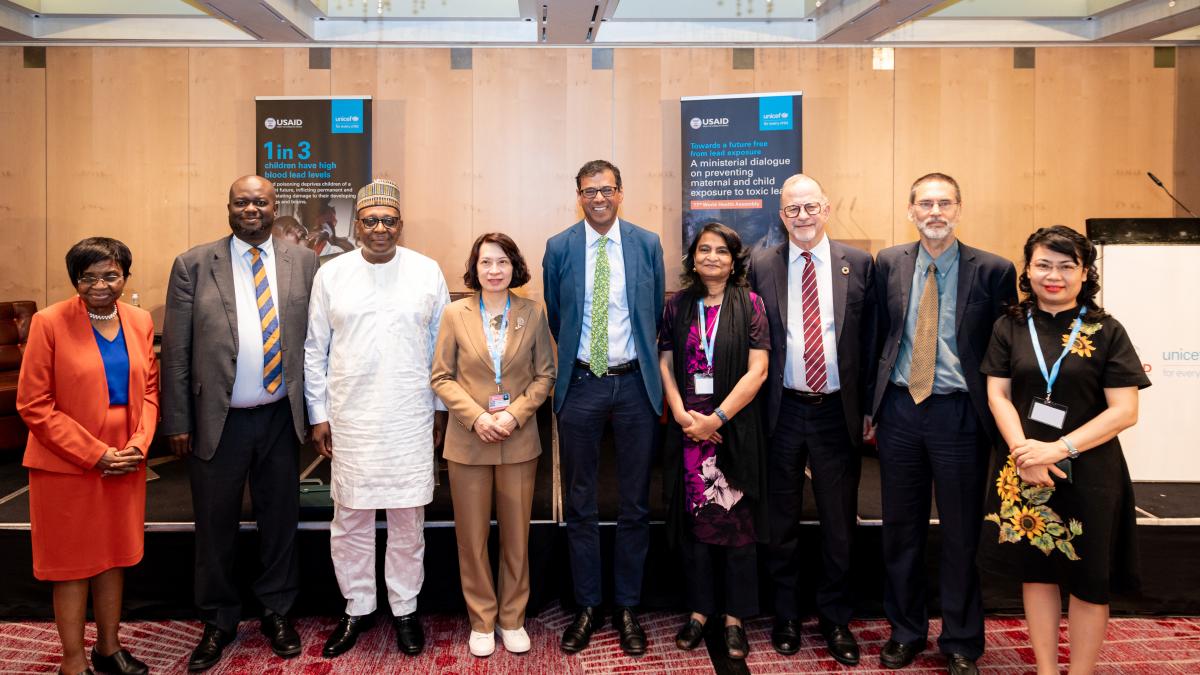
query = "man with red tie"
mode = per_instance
[{"x": 817, "y": 293}]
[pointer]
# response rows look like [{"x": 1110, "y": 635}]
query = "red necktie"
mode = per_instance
[{"x": 814, "y": 350}]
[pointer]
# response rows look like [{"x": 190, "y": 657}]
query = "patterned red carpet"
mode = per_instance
[{"x": 1133, "y": 646}]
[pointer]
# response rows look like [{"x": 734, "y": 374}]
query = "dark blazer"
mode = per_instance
[
  {"x": 563, "y": 270},
  {"x": 853, "y": 296},
  {"x": 200, "y": 338},
  {"x": 986, "y": 284}
]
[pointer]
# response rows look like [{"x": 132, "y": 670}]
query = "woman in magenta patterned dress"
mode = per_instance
[{"x": 714, "y": 469}]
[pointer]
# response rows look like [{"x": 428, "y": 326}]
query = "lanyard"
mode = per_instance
[
  {"x": 708, "y": 343},
  {"x": 494, "y": 347},
  {"x": 1052, "y": 374}
]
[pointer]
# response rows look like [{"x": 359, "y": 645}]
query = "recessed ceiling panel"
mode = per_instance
[
  {"x": 111, "y": 7},
  {"x": 420, "y": 9},
  {"x": 708, "y": 10}
]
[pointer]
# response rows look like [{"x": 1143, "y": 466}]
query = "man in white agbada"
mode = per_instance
[{"x": 373, "y": 322}]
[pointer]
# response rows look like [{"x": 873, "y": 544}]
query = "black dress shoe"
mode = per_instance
[
  {"x": 690, "y": 636},
  {"x": 633, "y": 638},
  {"x": 735, "y": 642},
  {"x": 577, "y": 635},
  {"x": 961, "y": 665},
  {"x": 899, "y": 654},
  {"x": 346, "y": 634},
  {"x": 785, "y": 636},
  {"x": 410, "y": 637},
  {"x": 208, "y": 652},
  {"x": 284, "y": 639},
  {"x": 841, "y": 643},
  {"x": 121, "y": 661}
]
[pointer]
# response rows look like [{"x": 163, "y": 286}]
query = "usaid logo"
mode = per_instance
[
  {"x": 698, "y": 122},
  {"x": 271, "y": 123}
]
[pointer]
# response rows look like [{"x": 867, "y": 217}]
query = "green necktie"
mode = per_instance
[{"x": 599, "y": 358}]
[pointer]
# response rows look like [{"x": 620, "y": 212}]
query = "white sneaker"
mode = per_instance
[
  {"x": 516, "y": 641},
  {"x": 482, "y": 644}
]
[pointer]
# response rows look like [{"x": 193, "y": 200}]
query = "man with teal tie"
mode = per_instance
[
  {"x": 233, "y": 406},
  {"x": 603, "y": 281}
]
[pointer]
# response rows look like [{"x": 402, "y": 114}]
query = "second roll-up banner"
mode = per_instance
[
  {"x": 317, "y": 152},
  {"x": 737, "y": 152}
]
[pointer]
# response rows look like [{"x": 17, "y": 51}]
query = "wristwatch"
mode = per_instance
[
  {"x": 1072, "y": 452},
  {"x": 721, "y": 414}
]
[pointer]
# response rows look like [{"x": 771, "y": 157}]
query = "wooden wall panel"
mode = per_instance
[
  {"x": 117, "y": 158},
  {"x": 1104, "y": 117},
  {"x": 221, "y": 132},
  {"x": 979, "y": 130},
  {"x": 523, "y": 183},
  {"x": 1186, "y": 185},
  {"x": 847, "y": 137},
  {"x": 23, "y": 180},
  {"x": 423, "y": 142},
  {"x": 142, "y": 143}
]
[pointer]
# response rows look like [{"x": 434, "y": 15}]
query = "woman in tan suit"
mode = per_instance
[{"x": 493, "y": 368}]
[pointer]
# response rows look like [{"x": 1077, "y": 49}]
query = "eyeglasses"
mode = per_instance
[
  {"x": 91, "y": 279},
  {"x": 793, "y": 210},
  {"x": 928, "y": 204},
  {"x": 1047, "y": 268},
  {"x": 607, "y": 191},
  {"x": 387, "y": 221}
]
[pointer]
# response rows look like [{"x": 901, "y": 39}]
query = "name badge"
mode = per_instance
[
  {"x": 704, "y": 385},
  {"x": 1047, "y": 412},
  {"x": 497, "y": 402}
]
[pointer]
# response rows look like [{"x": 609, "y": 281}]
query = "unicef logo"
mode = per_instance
[
  {"x": 696, "y": 123},
  {"x": 269, "y": 123},
  {"x": 784, "y": 115}
]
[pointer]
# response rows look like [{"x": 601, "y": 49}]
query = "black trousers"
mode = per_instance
[
  {"x": 707, "y": 595},
  {"x": 813, "y": 433},
  {"x": 259, "y": 445},
  {"x": 938, "y": 448}
]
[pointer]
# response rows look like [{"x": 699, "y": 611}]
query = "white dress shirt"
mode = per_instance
[
  {"x": 793, "y": 368},
  {"x": 620, "y": 328},
  {"x": 248, "y": 389}
]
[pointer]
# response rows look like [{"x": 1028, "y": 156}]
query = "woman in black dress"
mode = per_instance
[
  {"x": 713, "y": 356},
  {"x": 1063, "y": 381}
]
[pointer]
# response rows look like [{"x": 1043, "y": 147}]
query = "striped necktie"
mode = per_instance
[
  {"x": 272, "y": 358},
  {"x": 598, "y": 358},
  {"x": 925, "y": 339},
  {"x": 815, "y": 375}
]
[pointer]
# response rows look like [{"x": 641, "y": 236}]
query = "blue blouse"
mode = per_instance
[{"x": 116, "y": 366}]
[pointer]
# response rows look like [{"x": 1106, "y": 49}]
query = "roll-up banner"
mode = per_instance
[
  {"x": 737, "y": 152},
  {"x": 317, "y": 152}
]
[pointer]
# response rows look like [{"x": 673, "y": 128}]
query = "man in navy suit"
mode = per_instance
[
  {"x": 817, "y": 293},
  {"x": 937, "y": 301},
  {"x": 607, "y": 368}
]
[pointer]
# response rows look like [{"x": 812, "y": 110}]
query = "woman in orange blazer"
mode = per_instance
[
  {"x": 494, "y": 437},
  {"x": 88, "y": 391}
]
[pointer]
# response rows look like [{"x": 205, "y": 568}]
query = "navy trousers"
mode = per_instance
[
  {"x": 590, "y": 403},
  {"x": 938, "y": 444}
]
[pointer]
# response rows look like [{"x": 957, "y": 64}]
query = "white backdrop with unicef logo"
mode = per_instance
[{"x": 1151, "y": 290}]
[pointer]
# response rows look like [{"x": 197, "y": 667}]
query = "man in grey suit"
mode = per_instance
[
  {"x": 818, "y": 294},
  {"x": 233, "y": 405},
  {"x": 603, "y": 283},
  {"x": 937, "y": 300}
]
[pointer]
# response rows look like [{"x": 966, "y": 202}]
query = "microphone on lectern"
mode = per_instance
[{"x": 1159, "y": 183}]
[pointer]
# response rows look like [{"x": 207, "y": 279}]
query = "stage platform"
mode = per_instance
[{"x": 161, "y": 586}]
